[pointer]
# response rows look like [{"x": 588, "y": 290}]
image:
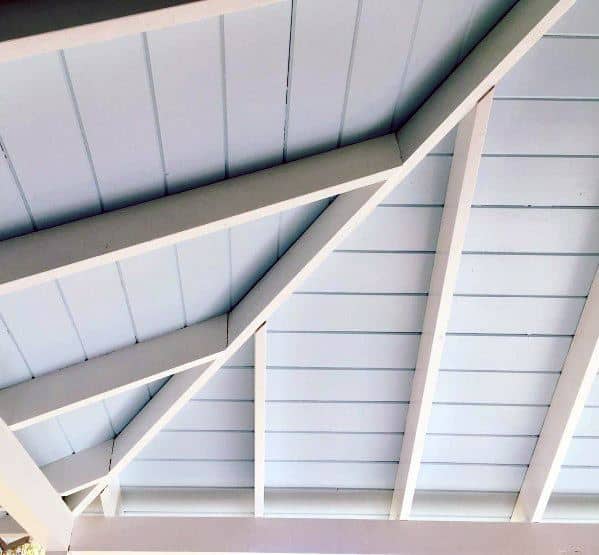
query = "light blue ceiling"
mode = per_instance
[{"x": 110, "y": 124}]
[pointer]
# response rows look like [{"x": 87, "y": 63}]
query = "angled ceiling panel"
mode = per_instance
[
  {"x": 123, "y": 407},
  {"x": 543, "y": 127},
  {"x": 217, "y": 474},
  {"x": 538, "y": 181},
  {"x": 205, "y": 273},
  {"x": 365, "y": 272},
  {"x": 292, "y": 223},
  {"x": 14, "y": 218},
  {"x": 97, "y": 302},
  {"x": 582, "y": 19},
  {"x": 87, "y": 426},
  {"x": 437, "y": 45},
  {"x": 322, "y": 36},
  {"x": 254, "y": 249},
  {"x": 393, "y": 228},
  {"x": 190, "y": 101},
  {"x": 256, "y": 45},
  {"x": 552, "y": 70},
  {"x": 526, "y": 274},
  {"x": 355, "y": 313},
  {"x": 42, "y": 328},
  {"x": 14, "y": 366},
  {"x": 381, "y": 51},
  {"x": 153, "y": 292},
  {"x": 45, "y": 442},
  {"x": 118, "y": 122},
  {"x": 41, "y": 137}
]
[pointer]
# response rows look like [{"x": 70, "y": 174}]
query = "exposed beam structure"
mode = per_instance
[
  {"x": 452, "y": 234},
  {"x": 52, "y": 253},
  {"x": 509, "y": 40},
  {"x": 79, "y": 385},
  {"x": 28, "y": 496},
  {"x": 81, "y": 470},
  {"x": 572, "y": 390},
  {"x": 169, "y": 535},
  {"x": 110, "y": 499},
  {"x": 30, "y": 28},
  {"x": 255, "y": 308},
  {"x": 259, "y": 418},
  {"x": 62, "y": 250}
]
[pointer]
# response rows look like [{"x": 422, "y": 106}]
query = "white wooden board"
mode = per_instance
[
  {"x": 119, "y": 121},
  {"x": 190, "y": 100}
]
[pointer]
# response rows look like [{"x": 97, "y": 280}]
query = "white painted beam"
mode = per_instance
[
  {"x": 244, "y": 320},
  {"x": 59, "y": 251},
  {"x": 259, "y": 418},
  {"x": 56, "y": 252},
  {"x": 44, "y": 26},
  {"x": 168, "y": 535},
  {"x": 79, "y": 385},
  {"x": 572, "y": 390},
  {"x": 28, "y": 497},
  {"x": 452, "y": 234},
  {"x": 110, "y": 499},
  {"x": 81, "y": 470},
  {"x": 509, "y": 40}
]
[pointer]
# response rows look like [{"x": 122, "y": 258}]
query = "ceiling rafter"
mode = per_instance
[
  {"x": 474, "y": 77},
  {"x": 510, "y": 39},
  {"x": 81, "y": 470},
  {"x": 101, "y": 377},
  {"x": 452, "y": 234},
  {"x": 571, "y": 392},
  {"x": 56, "y": 252}
]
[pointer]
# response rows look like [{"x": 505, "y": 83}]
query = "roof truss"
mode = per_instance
[
  {"x": 79, "y": 385},
  {"x": 452, "y": 233},
  {"x": 572, "y": 390},
  {"x": 73, "y": 247},
  {"x": 46, "y": 255}
]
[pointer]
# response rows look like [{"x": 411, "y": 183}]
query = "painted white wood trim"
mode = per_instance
[
  {"x": 110, "y": 499},
  {"x": 27, "y": 495},
  {"x": 310, "y": 503},
  {"x": 480, "y": 71},
  {"x": 81, "y": 470},
  {"x": 87, "y": 32},
  {"x": 452, "y": 233},
  {"x": 79, "y": 385},
  {"x": 73, "y": 247},
  {"x": 162, "y": 535},
  {"x": 572, "y": 390},
  {"x": 259, "y": 418}
]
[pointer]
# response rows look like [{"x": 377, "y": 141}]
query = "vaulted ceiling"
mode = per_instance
[{"x": 103, "y": 126}]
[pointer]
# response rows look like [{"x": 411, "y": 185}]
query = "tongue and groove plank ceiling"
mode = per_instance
[{"x": 103, "y": 126}]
